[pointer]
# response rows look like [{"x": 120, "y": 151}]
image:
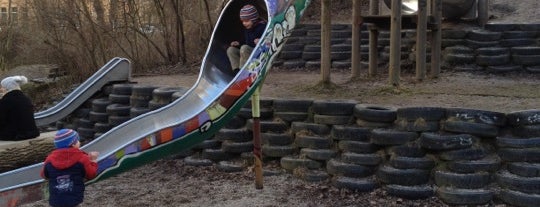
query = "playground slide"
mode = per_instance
[
  {"x": 214, "y": 100},
  {"x": 116, "y": 70}
]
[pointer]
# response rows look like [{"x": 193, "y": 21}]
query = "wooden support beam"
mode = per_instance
[
  {"x": 326, "y": 29},
  {"x": 356, "y": 39},
  {"x": 436, "y": 39},
  {"x": 421, "y": 41},
  {"x": 395, "y": 44}
]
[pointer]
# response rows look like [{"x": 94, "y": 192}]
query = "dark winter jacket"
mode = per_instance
[
  {"x": 17, "y": 117},
  {"x": 66, "y": 170},
  {"x": 253, "y": 33}
]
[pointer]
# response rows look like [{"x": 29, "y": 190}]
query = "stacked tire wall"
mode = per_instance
[
  {"x": 462, "y": 156},
  {"x": 497, "y": 48}
]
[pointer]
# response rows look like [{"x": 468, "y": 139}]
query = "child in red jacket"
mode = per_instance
[{"x": 66, "y": 168}]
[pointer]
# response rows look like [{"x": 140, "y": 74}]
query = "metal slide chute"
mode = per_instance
[
  {"x": 116, "y": 70},
  {"x": 214, "y": 100}
]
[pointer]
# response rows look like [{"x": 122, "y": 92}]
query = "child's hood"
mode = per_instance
[{"x": 65, "y": 158}]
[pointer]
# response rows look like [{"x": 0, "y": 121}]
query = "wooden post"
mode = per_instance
[
  {"x": 356, "y": 39},
  {"x": 257, "y": 149},
  {"x": 436, "y": 38},
  {"x": 395, "y": 43},
  {"x": 421, "y": 40},
  {"x": 483, "y": 14},
  {"x": 373, "y": 50},
  {"x": 373, "y": 7},
  {"x": 326, "y": 30}
]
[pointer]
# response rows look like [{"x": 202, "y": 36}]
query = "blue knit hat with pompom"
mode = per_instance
[{"x": 64, "y": 138}]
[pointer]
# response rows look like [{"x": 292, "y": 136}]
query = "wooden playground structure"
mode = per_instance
[{"x": 428, "y": 18}]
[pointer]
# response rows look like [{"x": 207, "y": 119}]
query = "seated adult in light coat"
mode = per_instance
[{"x": 16, "y": 111}]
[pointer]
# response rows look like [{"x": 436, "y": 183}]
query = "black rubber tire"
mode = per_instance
[
  {"x": 453, "y": 34},
  {"x": 136, "y": 111},
  {"x": 406, "y": 151},
  {"x": 307, "y": 55},
  {"x": 119, "y": 99},
  {"x": 351, "y": 133},
  {"x": 511, "y": 181},
  {"x": 375, "y": 113},
  {"x": 208, "y": 144},
  {"x": 526, "y": 50},
  {"x": 102, "y": 127},
  {"x": 371, "y": 124},
  {"x": 459, "y": 59},
  {"x": 269, "y": 126},
  {"x": 139, "y": 101},
  {"x": 458, "y": 50},
  {"x": 289, "y": 55},
  {"x": 122, "y": 89},
  {"x": 483, "y": 35},
  {"x": 512, "y": 142},
  {"x": 293, "y": 46},
  {"x": 339, "y": 168},
  {"x": 526, "y": 60},
  {"x": 387, "y": 137},
  {"x": 426, "y": 113},
  {"x": 98, "y": 117},
  {"x": 424, "y": 163},
  {"x": 456, "y": 196},
  {"x": 476, "y": 116},
  {"x": 118, "y": 110},
  {"x": 477, "y": 129},
  {"x": 419, "y": 125},
  {"x": 311, "y": 175},
  {"x": 333, "y": 107},
  {"x": 276, "y": 139},
  {"x": 520, "y": 155},
  {"x": 313, "y": 142},
  {"x": 332, "y": 119},
  {"x": 436, "y": 141},
  {"x": 526, "y": 131},
  {"x": 474, "y": 153},
  {"x": 264, "y": 113},
  {"x": 291, "y": 116},
  {"x": 490, "y": 164},
  {"x": 291, "y": 163},
  {"x": 319, "y": 129},
  {"x": 278, "y": 151},
  {"x": 197, "y": 161},
  {"x": 318, "y": 154},
  {"x": 524, "y": 169},
  {"x": 504, "y": 68},
  {"x": 524, "y": 117},
  {"x": 517, "y": 42},
  {"x": 117, "y": 120},
  {"x": 410, "y": 192},
  {"x": 479, "y": 44},
  {"x": 86, "y": 123},
  {"x": 235, "y": 123},
  {"x": 142, "y": 91},
  {"x": 216, "y": 154},
  {"x": 492, "y": 60},
  {"x": 100, "y": 104},
  {"x": 368, "y": 159},
  {"x": 292, "y": 105},
  {"x": 407, "y": 177},
  {"x": 237, "y": 147},
  {"x": 518, "y": 34},
  {"x": 493, "y": 51},
  {"x": 235, "y": 135},
  {"x": 476, "y": 180},
  {"x": 519, "y": 199},
  {"x": 357, "y": 146},
  {"x": 357, "y": 184},
  {"x": 227, "y": 166}
]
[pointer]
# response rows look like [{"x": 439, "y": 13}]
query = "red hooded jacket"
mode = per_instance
[{"x": 66, "y": 170}]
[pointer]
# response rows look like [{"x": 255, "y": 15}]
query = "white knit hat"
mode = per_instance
[{"x": 13, "y": 82}]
